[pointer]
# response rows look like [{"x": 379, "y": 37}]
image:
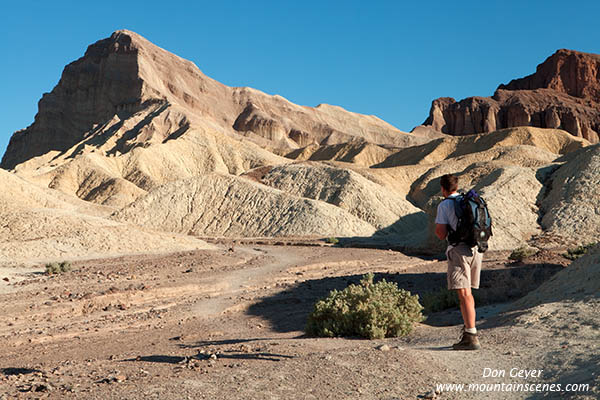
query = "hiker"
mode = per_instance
[{"x": 464, "y": 263}]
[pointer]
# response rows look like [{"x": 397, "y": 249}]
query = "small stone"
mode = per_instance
[
  {"x": 120, "y": 378},
  {"x": 430, "y": 395},
  {"x": 213, "y": 356},
  {"x": 41, "y": 387},
  {"x": 245, "y": 348},
  {"x": 5, "y": 279},
  {"x": 438, "y": 392},
  {"x": 383, "y": 347},
  {"x": 195, "y": 365}
]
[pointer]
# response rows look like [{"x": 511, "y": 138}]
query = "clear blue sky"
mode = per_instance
[{"x": 388, "y": 58}]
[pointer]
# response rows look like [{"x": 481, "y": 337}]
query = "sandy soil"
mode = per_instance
[{"x": 228, "y": 324}]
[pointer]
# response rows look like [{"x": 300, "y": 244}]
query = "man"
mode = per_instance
[{"x": 464, "y": 263}]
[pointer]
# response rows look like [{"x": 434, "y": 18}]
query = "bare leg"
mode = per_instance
[{"x": 467, "y": 306}]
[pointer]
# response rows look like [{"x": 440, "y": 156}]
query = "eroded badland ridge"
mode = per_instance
[
  {"x": 145, "y": 134},
  {"x": 136, "y": 156}
]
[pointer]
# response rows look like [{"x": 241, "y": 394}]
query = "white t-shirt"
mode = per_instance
[{"x": 445, "y": 212}]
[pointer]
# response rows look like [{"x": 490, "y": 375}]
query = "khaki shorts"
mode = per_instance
[{"x": 464, "y": 267}]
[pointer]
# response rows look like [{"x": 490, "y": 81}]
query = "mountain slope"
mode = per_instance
[{"x": 99, "y": 96}]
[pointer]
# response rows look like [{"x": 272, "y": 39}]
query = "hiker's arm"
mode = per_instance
[{"x": 441, "y": 231}]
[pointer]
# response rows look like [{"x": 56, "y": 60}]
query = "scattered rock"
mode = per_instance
[
  {"x": 245, "y": 348},
  {"x": 113, "y": 379},
  {"x": 383, "y": 347},
  {"x": 430, "y": 395}
]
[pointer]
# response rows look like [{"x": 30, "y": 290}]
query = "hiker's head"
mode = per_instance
[{"x": 449, "y": 184}]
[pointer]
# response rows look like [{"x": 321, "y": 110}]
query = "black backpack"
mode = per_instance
[{"x": 474, "y": 225}]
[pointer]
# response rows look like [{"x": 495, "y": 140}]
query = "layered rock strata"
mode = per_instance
[{"x": 563, "y": 93}]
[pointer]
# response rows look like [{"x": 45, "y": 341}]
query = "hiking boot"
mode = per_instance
[{"x": 468, "y": 341}]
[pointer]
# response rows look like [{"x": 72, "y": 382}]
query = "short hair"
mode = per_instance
[{"x": 449, "y": 182}]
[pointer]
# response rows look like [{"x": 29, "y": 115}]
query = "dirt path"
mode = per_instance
[
  {"x": 273, "y": 262},
  {"x": 229, "y": 324}
]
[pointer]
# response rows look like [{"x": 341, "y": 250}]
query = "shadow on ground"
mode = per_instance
[
  {"x": 288, "y": 310},
  {"x": 18, "y": 371},
  {"x": 226, "y": 355},
  {"x": 409, "y": 234}
]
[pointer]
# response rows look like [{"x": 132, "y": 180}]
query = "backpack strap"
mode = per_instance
[{"x": 458, "y": 211}]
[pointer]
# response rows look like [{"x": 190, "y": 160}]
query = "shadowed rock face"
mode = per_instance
[
  {"x": 91, "y": 90},
  {"x": 563, "y": 93},
  {"x": 136, "y": 93}
]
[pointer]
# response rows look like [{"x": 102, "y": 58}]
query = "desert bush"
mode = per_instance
[
  {"x": 576, "y": 252},
  {"x": 522, "y": 253},
  {"x": 56, "y": 268},
  {"x": 497, "y": 287},
  {"x": 441, "y": 300},
  {"x": 65, "y": 266},
  {"x": 369, "y": 310},
  {"x": 444, "y": 299},
  {"x": 332, "y": 240},
  {"x": 52, "y": 268}
]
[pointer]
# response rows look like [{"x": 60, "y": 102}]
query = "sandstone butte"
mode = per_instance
[{"x": 563, "y": 93}]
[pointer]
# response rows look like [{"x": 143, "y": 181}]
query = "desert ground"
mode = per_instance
[
  {"x": 202, "y": 222},
  {"x": 229, "y": 323}
]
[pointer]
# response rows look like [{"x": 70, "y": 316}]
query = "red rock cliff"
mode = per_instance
[{"x": 564, "y": 93}]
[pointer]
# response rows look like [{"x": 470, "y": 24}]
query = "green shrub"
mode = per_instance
[
  {"x": 369, "y": 310},
  {"x": 444, "y": 299},
  {"x": 576, "y": 252},
  {"x": 52, "y": 268},
  {"x": 65, "y": 266},
  {"x": 56, "y": 268},
  {"x": 441, "y": 300},
  {"x": 522, "y": 253},
  {"x": 332, "y": 240}
]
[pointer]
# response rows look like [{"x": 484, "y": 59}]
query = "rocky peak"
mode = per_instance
[
  {"x": 563, "y": 93},
  {"x": 120, "y": 42},
  {"x": 567, "y": 71},
  {"x": 126, "y": 92},
  {"x": 92, "y": 89},
  {"x": 116, "y": 78}
]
